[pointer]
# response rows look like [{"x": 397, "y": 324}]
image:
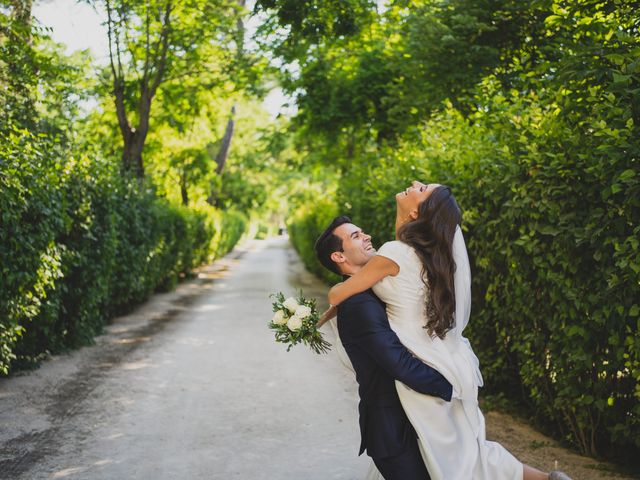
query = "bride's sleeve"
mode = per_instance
[
  {"x": 375, "y": 270},
  {"x": 462, "y": 281},
  {"x": 394, "y": 251}
]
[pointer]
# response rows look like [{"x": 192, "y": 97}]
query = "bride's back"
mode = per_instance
[{"x": 405, "y": 294}]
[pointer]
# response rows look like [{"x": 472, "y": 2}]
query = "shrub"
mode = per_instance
[
  {"x": 305, "y": 226},
  {"x": 30, "y": 258},
  {"x": 78, "y": 245},
  {"x": 551, "y": 215},
  {"x": 551, "y": 206},
  {"x": 232, "y": 225}
]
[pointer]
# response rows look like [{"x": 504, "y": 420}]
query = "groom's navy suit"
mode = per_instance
[{"x": 378, "y": 359}]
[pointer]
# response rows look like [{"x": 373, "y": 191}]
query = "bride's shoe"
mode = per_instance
[{"x": 558, "y": 475}]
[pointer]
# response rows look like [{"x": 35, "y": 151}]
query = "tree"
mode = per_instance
[
  {"x": 160, "y": 42},
  {"x": 369, "y": 84},
  {"x": 18, "y": 68},
  {"x": 223, "y": 153}
]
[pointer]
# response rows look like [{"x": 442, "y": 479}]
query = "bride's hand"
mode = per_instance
[{"x": 327, "y": 315}]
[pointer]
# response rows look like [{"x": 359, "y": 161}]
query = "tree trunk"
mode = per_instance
[
  {"x": 221, "y": 158},
  {"x": 134, "y": 138},
  {"x": 132, "y": 153},
  {"x": 183, "y": 188}
]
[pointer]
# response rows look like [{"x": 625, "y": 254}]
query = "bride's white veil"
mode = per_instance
[
  {"x": 462, "y": 286},
  {"x": 462, "y": 281}
]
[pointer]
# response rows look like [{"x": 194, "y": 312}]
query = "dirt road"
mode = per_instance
[{"x": 192, "y": 386}]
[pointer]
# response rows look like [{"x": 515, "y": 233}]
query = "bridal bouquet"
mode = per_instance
[{"x": 294, "y": 321}]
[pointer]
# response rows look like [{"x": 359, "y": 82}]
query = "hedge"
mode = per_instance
[
  {"x": 552, "y": 221},
  {"x": 305, "y": 226},
  {"x": 79, "y": 245}
]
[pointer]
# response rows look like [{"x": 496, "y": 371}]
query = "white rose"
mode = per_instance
[
  {"x": 303, "y": 311},
  {"x": 279, "y": 318},
  {"x": 290, "y": 304},
  {"x": 294, "y": 323}
]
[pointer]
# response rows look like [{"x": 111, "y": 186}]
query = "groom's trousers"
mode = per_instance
[{"x": 406, "y": 466}]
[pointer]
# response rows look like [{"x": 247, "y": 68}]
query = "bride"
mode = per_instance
[{"x": 424, "y": 279}]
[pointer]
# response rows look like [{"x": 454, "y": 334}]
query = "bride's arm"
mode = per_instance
[{"x": 375, "y": 270}]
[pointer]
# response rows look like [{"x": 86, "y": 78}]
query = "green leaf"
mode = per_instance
[
  {"x": 621, "y": 78},
  {"x": 627, "y": 175}
]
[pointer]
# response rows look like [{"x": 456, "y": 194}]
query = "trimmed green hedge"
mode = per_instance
[
  {"x": 79, "y": 245},
  {"x": 543, "y": 154},
  {"x": 552, "y": 221},
  {"x": 305, "y": 226}
]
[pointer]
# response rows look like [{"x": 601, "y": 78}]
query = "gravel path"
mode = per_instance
[{"x": 191, "y": 385}]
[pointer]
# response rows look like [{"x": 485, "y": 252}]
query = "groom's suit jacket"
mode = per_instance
[{"x": 378, "y": 359}]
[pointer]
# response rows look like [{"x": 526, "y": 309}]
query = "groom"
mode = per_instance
[{"x": 378, "y": 359}]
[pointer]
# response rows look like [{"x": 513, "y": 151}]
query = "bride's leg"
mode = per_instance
[{"x": 531, "y": 473}]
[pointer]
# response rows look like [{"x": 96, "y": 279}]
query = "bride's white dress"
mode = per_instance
[{"x": 451, "y": 434}]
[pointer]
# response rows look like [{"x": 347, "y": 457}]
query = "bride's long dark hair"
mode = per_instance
[{"x": 431, "y": 236}]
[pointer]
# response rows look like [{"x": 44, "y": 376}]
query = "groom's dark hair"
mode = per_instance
[{"x": 328, "y": 243}]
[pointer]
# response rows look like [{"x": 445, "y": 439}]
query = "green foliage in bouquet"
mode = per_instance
[{"x": 294, "y": 321}]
